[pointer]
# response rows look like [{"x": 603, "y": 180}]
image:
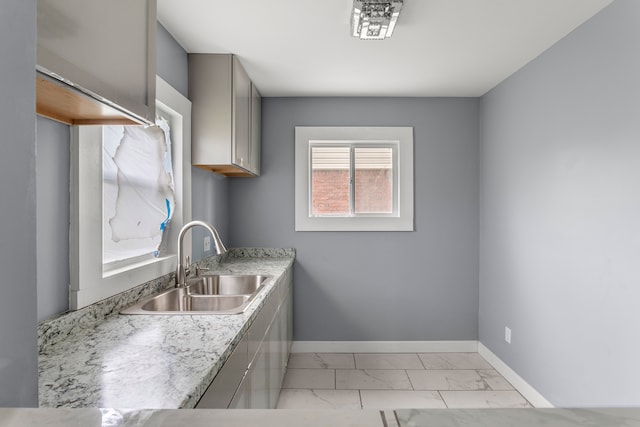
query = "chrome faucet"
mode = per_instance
[{"x": 181, "y": 275}]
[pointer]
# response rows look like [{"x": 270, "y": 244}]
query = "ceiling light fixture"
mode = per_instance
[{"x": 374, "y": 19}]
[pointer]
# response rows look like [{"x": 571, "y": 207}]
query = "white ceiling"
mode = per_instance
[{"x": 439, "y": 47}]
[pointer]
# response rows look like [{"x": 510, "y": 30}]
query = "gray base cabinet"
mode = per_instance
[
  {"x": 252, "y": 376},
  {"x": 224, "y": 385}
]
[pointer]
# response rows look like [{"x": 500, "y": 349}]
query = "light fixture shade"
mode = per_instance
[{"x": 374, "y": 19}]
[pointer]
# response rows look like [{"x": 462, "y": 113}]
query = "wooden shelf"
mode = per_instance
[
  {"x": 63, "y": 103},
  {"x": 227, "y": 170}
]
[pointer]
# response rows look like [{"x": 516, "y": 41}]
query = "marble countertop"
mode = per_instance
[
  {"x": 185, "y": 417},
  {"x": 556, "y": 417},
  {"x": 95, "y": 417},
  {"x": 149, "y": 361}
]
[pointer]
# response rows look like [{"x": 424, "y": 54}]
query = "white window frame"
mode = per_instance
[
  {"x": 90, "y": 282},
  {"x": 307, "y": 136}
]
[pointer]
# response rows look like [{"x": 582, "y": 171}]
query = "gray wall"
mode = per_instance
[
  {"x": 420, "y": 285},
  {"x": 18, "y": 303},
  {"x": 171, "y": 61},
  {"x": 560, "y": 215},
  {"x": 209, "y": 201}
]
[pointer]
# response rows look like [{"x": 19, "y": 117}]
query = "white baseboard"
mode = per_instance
[
  {"x": 525, "y": 389},
  {"x": 384, "y": 346}
]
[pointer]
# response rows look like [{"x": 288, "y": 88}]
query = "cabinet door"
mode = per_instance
[
  {"x": 278, "y": 354},
  {"x": 224, "y": 385},
  {"x": 242, "y": 116},
  {"x": 241, "y": 398},
  {"x": 259, "y": 374},
  {"x": 260, "y": 326},
  {"x": 287, "y": 327},
  {"x": 107, "y": 48},
  {"x": 256, "y": 129},
  {"x": 288, "y": 304},
  {"x": 259, "y": 353}
]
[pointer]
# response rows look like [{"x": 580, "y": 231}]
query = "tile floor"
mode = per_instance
[{"x": 395, "y": 381}]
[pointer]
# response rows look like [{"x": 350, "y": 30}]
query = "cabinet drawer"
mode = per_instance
[{"x": 220, "y": 392}]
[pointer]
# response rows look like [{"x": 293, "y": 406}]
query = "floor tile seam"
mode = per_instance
[
  {"x": 377, "y": 369},
  {"x": 410, "y": 391},
  {"x": 319, "y": 368},
  {"x": 443, "y": 401},
  {"x": 319, "y": 388},
  {"x": 383, "y": 389},
  {"x": 458, "y": 369},
  {"x": 391, "y": 354},
  {"x": 449, "y": 369},
  {"x": 322, "y": 352},
  {"x": 396, "y": 368},
  {"x": 406, "y": 372},
  {"x": 384, "y": 419},
  {"x": 424, "y": 365},
  {"x": 453, "y": 389},
  {"x": 395, "y": 415},
  {"x": 313, "y": 369},
  {"x": 380, "y": 389},
  {"x": 399, "y": 389}
]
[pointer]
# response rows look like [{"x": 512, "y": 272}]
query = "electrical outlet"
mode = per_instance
[
  {"x": 207, "y": 243},
  {"x": 507, "y": 335}
]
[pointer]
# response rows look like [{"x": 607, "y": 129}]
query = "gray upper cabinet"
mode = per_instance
[
  {"x": 96, "y": 61},
  {"x": 225, "y": 116}
]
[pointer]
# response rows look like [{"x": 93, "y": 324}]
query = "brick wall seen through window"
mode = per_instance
[{"x": 373, "y": 187}]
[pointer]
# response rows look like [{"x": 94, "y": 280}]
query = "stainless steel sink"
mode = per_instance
[
  {"x": 209, "y": 294},
  {"x": 225, "y": 284},
  {"x": 216, "y": 303}
]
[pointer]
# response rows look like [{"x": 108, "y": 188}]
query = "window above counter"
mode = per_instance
[{"x": 96, "y": 271}]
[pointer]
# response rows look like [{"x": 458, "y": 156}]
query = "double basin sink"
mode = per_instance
[{"x": 208, "y": 294}]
